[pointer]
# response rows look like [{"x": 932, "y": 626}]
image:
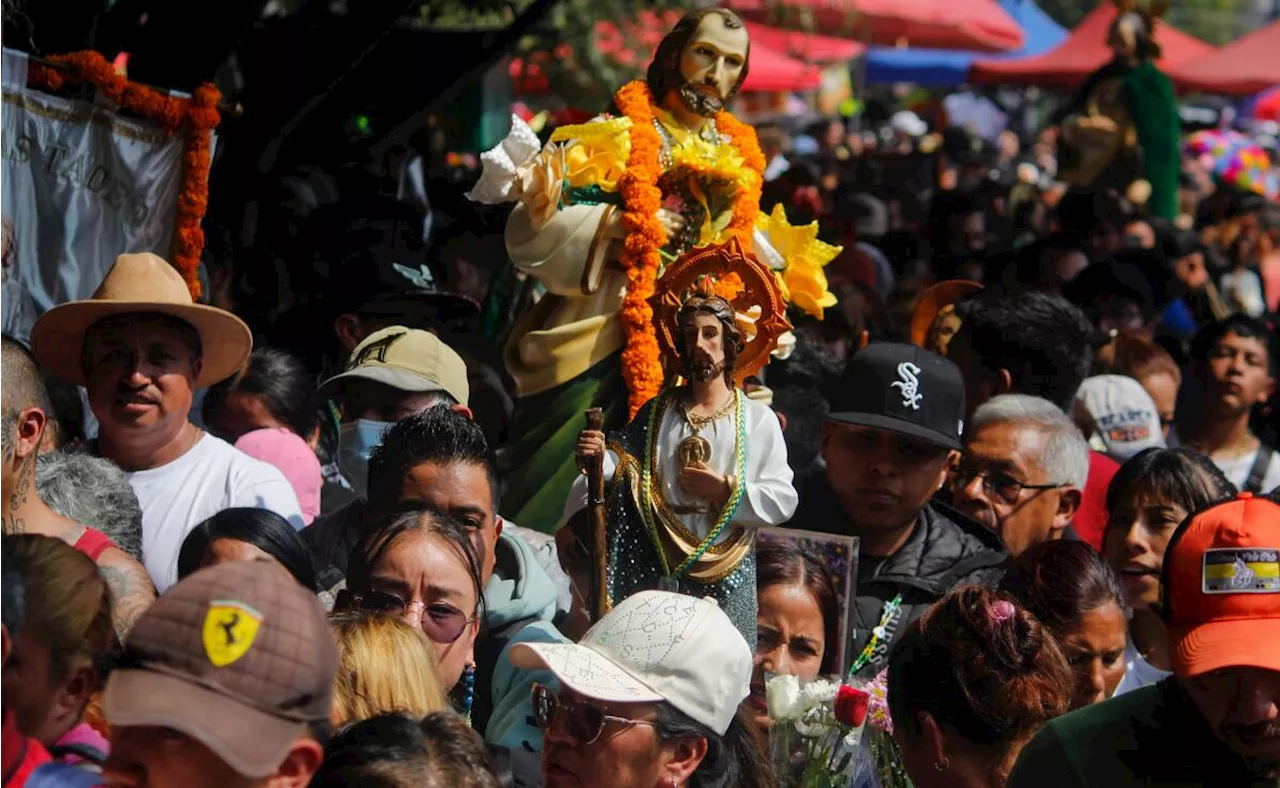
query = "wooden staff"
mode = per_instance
[{"x": 599, "y": 524}]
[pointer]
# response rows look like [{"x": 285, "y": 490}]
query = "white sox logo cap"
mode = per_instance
[{"x": 903, "y": 389}]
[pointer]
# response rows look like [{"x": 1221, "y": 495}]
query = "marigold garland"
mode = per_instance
[
  {"x": 645, "y": 235},
  {"x": 729, "y": 286},
  {"x": 747, "y": 202},
  {"x": 194, "y": 118}
]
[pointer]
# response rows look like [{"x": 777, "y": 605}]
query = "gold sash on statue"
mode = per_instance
[{"x": 677, "y": 541}]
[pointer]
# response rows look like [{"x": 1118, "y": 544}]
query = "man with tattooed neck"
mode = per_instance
[{"x": 23, "y": 421}]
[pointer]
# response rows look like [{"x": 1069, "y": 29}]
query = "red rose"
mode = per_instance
[{"x": 851, "y": 706}]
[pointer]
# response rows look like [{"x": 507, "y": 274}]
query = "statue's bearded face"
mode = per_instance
[
  {"x": 704, "y": 351},
  {"x": 711, "y": 65},
  {"x": 1127, "y": 35}
]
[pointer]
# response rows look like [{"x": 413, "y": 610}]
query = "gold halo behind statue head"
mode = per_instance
[{"x": 729, "y": 271}]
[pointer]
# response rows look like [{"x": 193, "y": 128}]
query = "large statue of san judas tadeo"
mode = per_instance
[{"x": 600, "y": 211}]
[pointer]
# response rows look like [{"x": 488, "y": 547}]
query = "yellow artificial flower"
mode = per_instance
[
  {"x": 809, "y": 290},
  {"x": 804, "y": 281},
  {"x": 710, "y": 161},
  {"x": 588, "y": 166},
  {"x": 595, "y": 153}
]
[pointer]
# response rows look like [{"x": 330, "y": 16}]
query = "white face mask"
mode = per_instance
[{"x": 356, "y": 442}]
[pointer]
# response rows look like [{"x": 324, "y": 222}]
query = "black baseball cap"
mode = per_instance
[
  {"x": 903, "y": 389},
  {"x": 387, "y": 285},
  {"x": 378, "y": 268}
]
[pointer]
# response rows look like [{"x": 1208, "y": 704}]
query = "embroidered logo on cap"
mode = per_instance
[
  {"x": 229, "y": 630},
  {"x": 1126, "y": 426},
  {"x": 1253, "y": 570},
  {"x": 375, "y": 352},
  {"x": 421, "y": 277},
  {"x": 909, "y": 383}
]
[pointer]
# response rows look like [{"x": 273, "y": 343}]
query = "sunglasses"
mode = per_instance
[
  {"x": 441, "y": 622},
  {"x": 583, "y": 721}
]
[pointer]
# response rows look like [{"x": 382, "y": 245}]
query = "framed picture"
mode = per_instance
[{"x": 839, "y": 554}]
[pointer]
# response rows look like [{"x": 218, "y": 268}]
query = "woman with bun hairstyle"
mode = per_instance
[
  {"x": 1073, "y": 592},
  {"x": 971, "y": 681}
]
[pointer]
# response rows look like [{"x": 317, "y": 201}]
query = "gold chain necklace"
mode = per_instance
[{"x": 698, "y": 422}]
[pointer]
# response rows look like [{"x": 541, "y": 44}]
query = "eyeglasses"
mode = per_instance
[
  {"x": 441, "y": 622},
  {"x": 997, "y": 483},
  {"x": 583, "y": 721}
]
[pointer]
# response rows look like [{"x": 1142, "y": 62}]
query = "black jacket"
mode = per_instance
[
  {"x": 331, "y": 538},
  {"x": 945, "y": 550}
]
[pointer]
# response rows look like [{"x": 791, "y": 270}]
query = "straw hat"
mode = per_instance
[
  {"x": 935, "y": 299},
  {"x": 140, "y": 283}
]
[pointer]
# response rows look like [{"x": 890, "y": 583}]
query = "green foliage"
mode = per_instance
[
  {"x": 566, "y": 48},
  {"x": 468, "y": 13},
  {"x": 1067, "y": 13},
  {"x": 1215, "y": 21}
]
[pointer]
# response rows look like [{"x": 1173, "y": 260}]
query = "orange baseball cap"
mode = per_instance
[{"x": 1222, "y": 587}]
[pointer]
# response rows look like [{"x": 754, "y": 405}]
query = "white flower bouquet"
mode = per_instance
[{"x": 815, "y": 729}]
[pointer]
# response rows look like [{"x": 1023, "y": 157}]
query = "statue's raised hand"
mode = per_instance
[{"x": 672, "y": 222}]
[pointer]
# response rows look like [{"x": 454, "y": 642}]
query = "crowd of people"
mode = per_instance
[{"x": 1047, "y": 416}]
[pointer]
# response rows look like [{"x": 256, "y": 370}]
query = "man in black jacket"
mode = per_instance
[{"x": 888, "y": 444}]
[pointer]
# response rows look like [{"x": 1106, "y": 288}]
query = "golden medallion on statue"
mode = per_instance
[{"x": 693, "y": 450}]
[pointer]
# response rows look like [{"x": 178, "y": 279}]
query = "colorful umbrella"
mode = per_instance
[
  {"x": 1235, "y": 159},
  {"x": 1214, "y": 143},
  {"x": 1249, "y": 168}
]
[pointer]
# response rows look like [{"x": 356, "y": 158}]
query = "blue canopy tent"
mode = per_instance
[{"x": 945, "y": 67}]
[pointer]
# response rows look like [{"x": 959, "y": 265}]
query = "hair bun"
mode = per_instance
[
  {"x": 1001, "y": 611},
  {"x": 1030, "y": 640},
  {"x": 982, "y": 663}
]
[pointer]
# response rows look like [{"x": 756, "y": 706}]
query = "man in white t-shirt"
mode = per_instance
[
  {"x": 1233, "y": 373},
  {"x": 140, "y": 346}
]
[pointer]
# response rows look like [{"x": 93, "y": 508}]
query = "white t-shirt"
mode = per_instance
[
  {"x": 1237, "y": 471},
  {"x": 1243, "y": 290},
  {"x": 213, "y": 475},
  {"x": 1138, "y": 672}
]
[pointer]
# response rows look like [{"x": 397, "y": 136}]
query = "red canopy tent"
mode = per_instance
[
  {"x": 1084, "y": 52},
  {"x": 810, "y": 47},
  {"x": 974, "y": 25},
  {"x": 1248, "y": 65},
  {"x": 773, "y": 71}
]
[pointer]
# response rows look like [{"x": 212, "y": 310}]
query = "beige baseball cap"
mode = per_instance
[{"x": 408, "y": 359}]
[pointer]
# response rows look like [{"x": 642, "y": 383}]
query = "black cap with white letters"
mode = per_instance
[{"x": 903, "y": 389}]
